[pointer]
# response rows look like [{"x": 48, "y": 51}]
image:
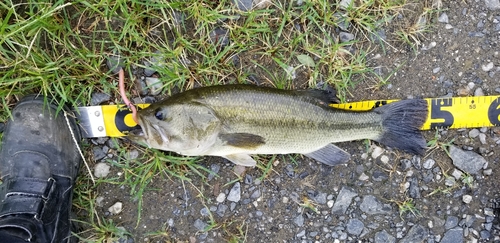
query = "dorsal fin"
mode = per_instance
[{"x": 324, "y": 96}]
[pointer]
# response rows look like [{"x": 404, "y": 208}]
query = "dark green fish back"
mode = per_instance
[{"x": 267, "y": 106}]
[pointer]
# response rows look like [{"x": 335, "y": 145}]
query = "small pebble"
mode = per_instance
[
  {"x": 330, "y": 203},
  {"x": 463, "y": 92},
  {"x": 235, "y": 193},
  {"x": 443, "y": 18},
  {"x": 487, "y": 172},
  {"x": 384, "y": 159},
  {"x": 204, "y": 212},
  {"x": 428, "y": 164},
  {"x": 116, "y": 208},
  {"x": 243, "y": 5},
  {"x": 132, "y": 154},
  {"x": 260, "y": 4},
  {"x": 221, "y": 197},
  {"x": 115, "y": 63},
  {"x": 98, "y": 153},
  {"x": 377, "y": 151},
  {"x": 346, "y": 37},
  {"x": 478, "y": 92},
  {"x": 299, "y": 220},
  {"x": 239, "y": 170},
  {"x": 473, "y": 133},
  {"x": 154, "y": 84},
  {"x": 99, "y": 98},
  {"x": 471, "y": 85},
  {"x": 101, "y": 170},
  {"x": 467, "y": 198},
  {"x": 457, "y": 174},
  {"x": 99, "y": 201},
  {"x": 482, "y": 138},
  {"x": 485, "y": 235},
  {"x": 285, "y": 200},
  {"x": 291, "y": 74},
  {"x": 489, "y": 212},
  {"x": 487, "y": 67},
  {"x": 200, "y": 225},
  {"x": 449, "y": 181},
  {"x": 363, "y": 177}
]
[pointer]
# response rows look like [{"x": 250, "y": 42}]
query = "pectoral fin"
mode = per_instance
[
  {"x": 242, "y": 140},
  {"x": 330, "y": 155},
  {"x": 241, "y": 159}
]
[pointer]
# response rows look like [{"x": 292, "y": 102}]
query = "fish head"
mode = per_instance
[{"x": 185, "y": 128}]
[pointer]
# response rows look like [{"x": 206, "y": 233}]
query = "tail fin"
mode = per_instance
[{"x": 402, "y": 121}]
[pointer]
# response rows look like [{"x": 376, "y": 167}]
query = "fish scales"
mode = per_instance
[
  {"x": 282, "y": 118},
  {"x": 234, "y": 121}
]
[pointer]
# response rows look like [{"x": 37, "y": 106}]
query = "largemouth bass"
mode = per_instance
[{"x": 235, "y": 121}]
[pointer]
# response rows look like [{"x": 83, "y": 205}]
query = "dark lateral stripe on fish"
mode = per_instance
[{"x": 328, "y": 125}]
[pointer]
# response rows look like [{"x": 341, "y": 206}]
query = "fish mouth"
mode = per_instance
[
  {"x": 139, "y": 130},
  {"x": 149, "y": 133},
  {"x": 161, "y": 132},
  {"x": 139, "y": 134}
]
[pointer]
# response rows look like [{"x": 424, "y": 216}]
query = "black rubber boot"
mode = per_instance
[{"x": 39, "y": 162}]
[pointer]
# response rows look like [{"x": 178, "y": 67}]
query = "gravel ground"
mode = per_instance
[{"x": 380, "y": 196}]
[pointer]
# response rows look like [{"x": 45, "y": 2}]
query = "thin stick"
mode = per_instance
[
  {"x": 121, "y": 86},
  {"x": 78, "y": 147}
]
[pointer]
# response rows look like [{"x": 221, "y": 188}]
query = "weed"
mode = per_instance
[
  {"x": 434, "y": 144},
  {"x": 411, "y": 33},
  {"x": 160, "y": 234},
  {"x": 467, "y": 180},
  {"x": 235, "y": 231},
  {"x": 307, "y": 203},
  {"x": 407, "y": 206},
  {"x": 265, "y": 164},
  {"x": 381, "y": 81}
]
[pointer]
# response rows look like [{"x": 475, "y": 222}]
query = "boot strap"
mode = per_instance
[
  {"x": 27, "y": 196},
  {"x": 26, "y": 228}
]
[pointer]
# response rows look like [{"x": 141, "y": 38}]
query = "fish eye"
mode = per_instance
[{"x": 159, "y": 114}]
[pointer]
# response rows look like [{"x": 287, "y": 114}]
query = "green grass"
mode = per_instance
[
  {"x": 407, "y": 206},
  {"x": 60, "y": 48}
]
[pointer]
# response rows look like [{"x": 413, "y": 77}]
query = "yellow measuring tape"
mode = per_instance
[{"x": 453, "y": 112}]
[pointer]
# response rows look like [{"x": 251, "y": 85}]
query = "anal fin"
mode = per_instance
[
  {"x": 330, "y": 155},
  {"x": 241, "y": 159}
]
